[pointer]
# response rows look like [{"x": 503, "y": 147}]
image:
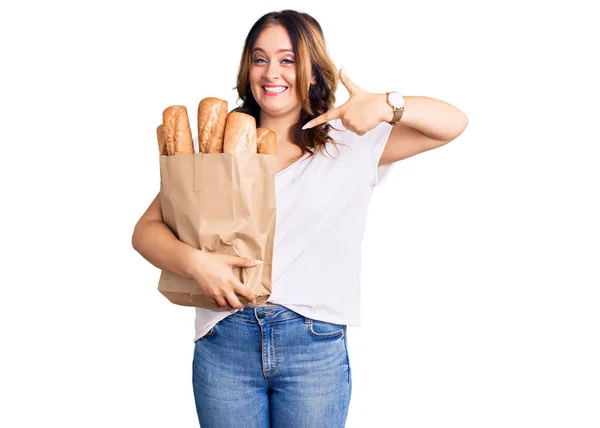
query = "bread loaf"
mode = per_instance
[
  {"x": 178, "y": 134},
  {"x": 212, "y": 115},
  {"x": 266, "y": 141},
  {"x": 162, "y": 140},
  {"x": 240, "y": 133}
]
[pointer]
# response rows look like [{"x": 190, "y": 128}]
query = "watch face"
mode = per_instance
[{"x": 396, "y": 99}]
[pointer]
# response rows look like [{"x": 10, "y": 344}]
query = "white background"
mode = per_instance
[{"x": 480, "y": 275}]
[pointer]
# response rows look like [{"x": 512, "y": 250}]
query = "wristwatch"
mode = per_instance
[{"x": 396, "y": 102}]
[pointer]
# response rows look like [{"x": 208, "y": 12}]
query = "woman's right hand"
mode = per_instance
[{"x": 214, "y": 275}]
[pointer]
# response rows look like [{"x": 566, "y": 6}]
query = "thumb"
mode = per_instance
[
  {"x": 245, "y": 262},
  {"x": 349, "y": 84}
]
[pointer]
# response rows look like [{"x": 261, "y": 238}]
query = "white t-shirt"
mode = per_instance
[{"x": 322, "y": 204}]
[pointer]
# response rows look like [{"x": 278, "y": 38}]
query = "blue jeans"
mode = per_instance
[{"x": 270, "y": 367}]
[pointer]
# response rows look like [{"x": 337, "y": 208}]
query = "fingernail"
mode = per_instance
[
  {"x": 257, "y": 262},
  {"x": 305, "y": 126}
]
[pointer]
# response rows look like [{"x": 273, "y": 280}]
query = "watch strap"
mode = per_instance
[{"x": 397, "y": 115}]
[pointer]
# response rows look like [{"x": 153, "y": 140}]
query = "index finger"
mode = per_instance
[{"x": 335, "y": 113}]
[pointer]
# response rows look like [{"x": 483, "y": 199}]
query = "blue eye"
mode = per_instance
[{"x": 289, "y": 61}]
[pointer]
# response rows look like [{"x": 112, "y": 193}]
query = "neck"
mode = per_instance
[{"x": 280, "y": 124}]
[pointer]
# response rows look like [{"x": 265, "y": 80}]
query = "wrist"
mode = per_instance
[
  {"x": 195, "y": 263},
  {"x": 396, "y": 102},
  {"x": 386, "y": 112}
]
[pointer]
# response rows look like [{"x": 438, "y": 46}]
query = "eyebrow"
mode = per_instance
[{"x": 278, "y": 51}]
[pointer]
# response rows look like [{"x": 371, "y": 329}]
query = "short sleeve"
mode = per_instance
[
  {"x": 377, "y": 140},
  {"x": 367, "y": 149}
]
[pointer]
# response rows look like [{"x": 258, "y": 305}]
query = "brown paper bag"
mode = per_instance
[{"x": 220, "y": 203}]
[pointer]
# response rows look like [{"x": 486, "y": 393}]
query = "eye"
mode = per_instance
[
  {"x": 257, "y": 60},
  {"x": 289, "y": 61}
]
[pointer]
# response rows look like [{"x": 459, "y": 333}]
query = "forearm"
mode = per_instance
[
  {"x": 156, "y": 243},
  {"x": 434, "y": 118}
]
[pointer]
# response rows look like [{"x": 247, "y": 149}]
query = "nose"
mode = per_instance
[{"x": 272, "y": 71}]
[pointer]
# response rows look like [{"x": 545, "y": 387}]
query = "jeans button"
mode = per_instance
[{"x": 261, "y": 315}]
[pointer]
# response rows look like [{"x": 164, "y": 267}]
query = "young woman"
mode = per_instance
[{"x": 285, "y": 363}]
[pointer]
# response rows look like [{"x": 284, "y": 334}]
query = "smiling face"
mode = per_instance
[{"x": 273, "y": 73}]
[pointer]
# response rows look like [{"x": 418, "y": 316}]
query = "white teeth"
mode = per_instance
[{"x": 277, "y": 89}]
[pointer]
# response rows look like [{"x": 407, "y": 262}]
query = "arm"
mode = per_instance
[
  {"x": 427, "y": 123},
  {"x": 213, "y": 273},
  {"x": 156, "y": 243}
]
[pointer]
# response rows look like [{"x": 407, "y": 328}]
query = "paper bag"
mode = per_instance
[{"x": 220, "y": 203}]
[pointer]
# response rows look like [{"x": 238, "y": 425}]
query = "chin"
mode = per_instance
[
  {"x": 274, "y": 106},
  {"x": 277, "y": 109},
  {"x": 272, "y": 109}
]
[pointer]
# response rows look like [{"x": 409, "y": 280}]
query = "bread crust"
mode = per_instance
[
  {"x": 240, "y": 133},
  {"x": 178, "y": 134},
  {"x": 162, "y": 140},
  {"x": 266, "y": 141},
  {"x": 212, "y": 116}
]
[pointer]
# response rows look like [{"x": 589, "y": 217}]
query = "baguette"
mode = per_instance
[
  {"x": 212, "y": 115},
  {"x": 240, "y": 133},
  {"x": 178, "y": 134},
  {"x": 266, "y": 141},
  {"x": 162, "y": 139}
]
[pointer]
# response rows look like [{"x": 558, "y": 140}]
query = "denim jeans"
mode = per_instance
[{"x": 270, "y": 367}]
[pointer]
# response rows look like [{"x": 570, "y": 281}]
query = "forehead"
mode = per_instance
[{"x": 273, "y": 39}]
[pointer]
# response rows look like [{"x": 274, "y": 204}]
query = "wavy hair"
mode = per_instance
[{"x": 312, "y": 59}]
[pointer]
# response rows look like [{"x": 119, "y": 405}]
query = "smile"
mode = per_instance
[{"x": 274, "y": 90}]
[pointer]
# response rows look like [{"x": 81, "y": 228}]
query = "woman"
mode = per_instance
[{"x": 285, "y": 363}]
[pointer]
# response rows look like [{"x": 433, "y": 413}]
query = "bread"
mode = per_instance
[
  {"x": 240, "y": 133},
  {"x": 212, "y": 115},
  {"x": 162, "y": 140},
  {"x": 266, "y": 141},
  {"x": 178, "y": 134},
  {"x": 218, "y": 132}
]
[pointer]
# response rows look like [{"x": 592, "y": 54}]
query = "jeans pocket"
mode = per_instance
[
  {"x": 210, "y": 333},
  {"x": 324, "y": 329}
]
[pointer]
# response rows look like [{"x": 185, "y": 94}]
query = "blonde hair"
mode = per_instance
[{"x": 312, "y": 59}]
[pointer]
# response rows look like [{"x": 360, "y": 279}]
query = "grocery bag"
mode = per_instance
[{"x": 220, "y": 203}]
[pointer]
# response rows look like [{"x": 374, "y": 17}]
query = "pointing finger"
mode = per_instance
[{"x": 335, "y": 113}]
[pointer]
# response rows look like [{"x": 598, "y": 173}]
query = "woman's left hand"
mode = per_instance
[{"x": 362, "y": 112}]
